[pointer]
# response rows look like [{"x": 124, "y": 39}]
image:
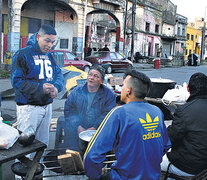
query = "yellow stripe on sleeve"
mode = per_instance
[{"x": 98, "y": 131}]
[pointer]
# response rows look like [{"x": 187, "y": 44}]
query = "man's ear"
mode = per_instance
[
  {"x": 188, "y": 88},
  {"x": 102, "y": 81},
  {"x": 129, "y": 91},
  {"x": 37, "y": 37}
]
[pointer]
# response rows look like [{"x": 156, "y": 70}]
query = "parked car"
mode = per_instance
[
  {"x": 193, "y": 59},
  {"x": 109, "y": 60},
  {"x": 66, "y": 58}
]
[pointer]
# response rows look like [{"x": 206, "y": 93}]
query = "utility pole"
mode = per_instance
[
  {"x": 133, "y": 28},
  {"x": 203, "y": 39},
  {"x": 125, "y": 21},
  {"x": 84, "y": 29},
  {"x": 10, "y": 13},
  {"x": 1, "y": 55}
]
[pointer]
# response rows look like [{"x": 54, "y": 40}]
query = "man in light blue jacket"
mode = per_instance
[{"x": 86, "y": 106}]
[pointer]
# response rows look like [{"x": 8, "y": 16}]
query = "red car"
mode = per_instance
[
  {"x": 66, "y": 58},
  {"x": 109, "y": 60}
]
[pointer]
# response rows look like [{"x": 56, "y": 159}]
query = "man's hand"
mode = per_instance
[
  {"x": 80, "y": 129},
  {"x": 47, "y": 88},
  {"x": 91, "y": 128},
  {"x": 50, "y": 89},
  {"x": 53, "y": 92}
]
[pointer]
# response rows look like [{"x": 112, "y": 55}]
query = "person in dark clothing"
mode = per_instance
[
  {"x": 105, "y": 48},
  {"x": 188, "y": 132},
  {"x": 87, "y": 105},
  {"x": 89, "y": 50}
]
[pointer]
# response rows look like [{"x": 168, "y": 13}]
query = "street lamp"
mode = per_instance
[
  {"x": 125, "y": 21},
  {"x": 133, "y": 28},
  {"x": 84, "y": 28},
  {"x": 1, "y": 55}
]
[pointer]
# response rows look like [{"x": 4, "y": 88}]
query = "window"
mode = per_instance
[
  {"x": 147, "y": 28},
  {"x": 112, "y": 55},
  {"x": 33, "y": 25},
  {"x": 186, "y": 52},
  {"x": 99, "y": 54},
  {"x": 188, "y": 36},
  {"x": 64, "y": 43},
  {"x": 70, "y": 56},
  {"x": 156, "y": 28},
  {"x": 59, "y": 57},
  {"x": 100, "y": 30},
  {"x": 119, "y": 56},
  {"x": 183, "y": 32},
  {"x": 182, "y": 44},
  {"x": 189, "y": 51},
  {"x": 192, "y": 37},
  {"x": 178, "y": 33}
]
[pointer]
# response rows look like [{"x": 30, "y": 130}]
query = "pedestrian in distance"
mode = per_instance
[
  {"x": 136, "y": 132},
  {"x": 36, "y": 79},
  {"x": 105, "y": 48},
  {"x": 89, "y": 50},
  {"x": 86, "y": 107},
  {"x": 188, "y": 132}
]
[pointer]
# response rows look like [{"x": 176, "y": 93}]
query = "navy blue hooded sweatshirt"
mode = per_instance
[{"x": 30, "y": 70}]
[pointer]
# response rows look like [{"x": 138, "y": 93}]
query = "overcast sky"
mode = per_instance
[{"x": 191, "y": 8}]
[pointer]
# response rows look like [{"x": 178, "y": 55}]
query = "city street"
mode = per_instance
[{"x": 177, "y": 74}]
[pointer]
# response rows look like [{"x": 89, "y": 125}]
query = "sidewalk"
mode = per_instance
[{"x": 143, "y": 66}]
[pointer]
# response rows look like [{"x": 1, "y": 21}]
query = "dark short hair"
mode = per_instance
[
  {"x": 198, "y": 84},
  {"x": 99, "y": 69},
  {"x": 139, "y": 82},
  {"x": 47, "y": 29}
]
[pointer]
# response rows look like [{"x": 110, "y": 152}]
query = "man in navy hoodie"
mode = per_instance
[{"x": 36, "y": 79}]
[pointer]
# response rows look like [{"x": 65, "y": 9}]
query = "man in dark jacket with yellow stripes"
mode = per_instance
[{"x": 136, "y": 132}]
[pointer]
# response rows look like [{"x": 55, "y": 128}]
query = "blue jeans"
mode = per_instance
[{"x": 172, "y": 168}]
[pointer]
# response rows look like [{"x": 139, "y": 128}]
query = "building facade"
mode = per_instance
[
  {"x": 180, "y": 35},
  {"x": 94, "y": 24},
  {"x": 193, "y": 43}
]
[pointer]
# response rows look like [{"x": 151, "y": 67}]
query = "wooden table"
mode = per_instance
[{"x": 17, "y": 151}]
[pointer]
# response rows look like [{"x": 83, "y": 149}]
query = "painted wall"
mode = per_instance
[
  {"x": 168, "y": 30},
  {"x": 194, "y": 45},
  {"x": 76, "y": 28},
  {"x": 64, "y": 27},
  {"x": 65, "y": 31},
  {"x": 143, "y": 41},
  {"x": 153, "y": 17}
]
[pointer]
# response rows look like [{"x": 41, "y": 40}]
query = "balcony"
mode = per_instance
[{"x": 115, "y": 2}]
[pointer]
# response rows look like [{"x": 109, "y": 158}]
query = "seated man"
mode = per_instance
[
  {"x": 136, "y": 132},
  {"x": 188, "y": 132},
  {"x": 87, "y": 105}
]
